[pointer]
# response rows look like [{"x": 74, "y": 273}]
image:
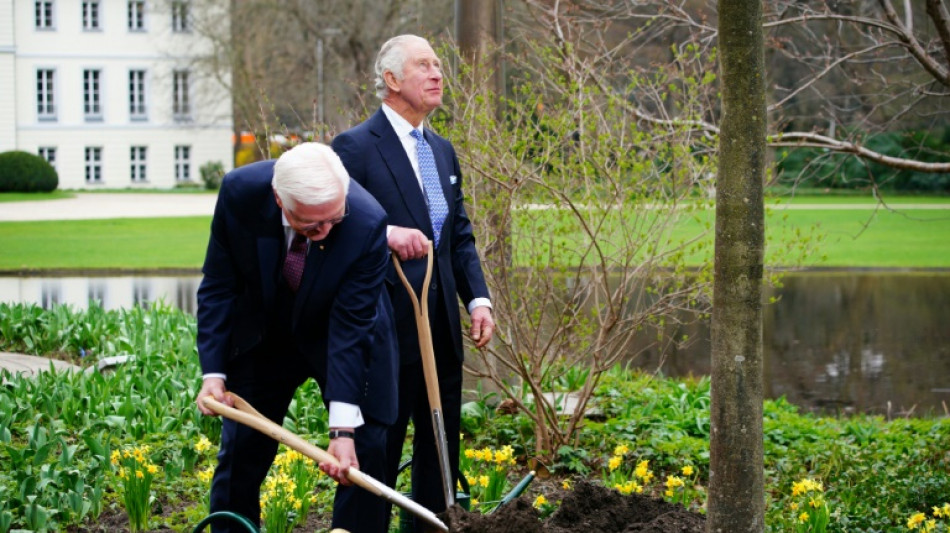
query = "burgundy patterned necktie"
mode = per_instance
[{"x": 293, "y": 263}]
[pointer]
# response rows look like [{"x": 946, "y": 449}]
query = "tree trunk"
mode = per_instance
[
  {"x": 736, "y": 487},
  {"x": 478, "y": 31}
]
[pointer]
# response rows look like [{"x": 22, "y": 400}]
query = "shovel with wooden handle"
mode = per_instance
[
  {"x": 245, "y": 414},
  {"x": 429, "y": 371}
]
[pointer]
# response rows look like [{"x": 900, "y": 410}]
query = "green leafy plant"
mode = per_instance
[{"x": 135, "y": 472}]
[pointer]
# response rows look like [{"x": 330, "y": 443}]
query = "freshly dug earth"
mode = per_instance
[{"x": 588, "y": 507}]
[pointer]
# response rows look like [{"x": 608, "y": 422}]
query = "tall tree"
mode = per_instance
[{"x": 736, "y": 486}]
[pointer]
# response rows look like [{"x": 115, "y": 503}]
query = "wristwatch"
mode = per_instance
[{"x": 337, "y": 433}]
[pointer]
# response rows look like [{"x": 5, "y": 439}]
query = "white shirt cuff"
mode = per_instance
[
  {"x": 478, "y": 302},
  {"x": 345, "y": 415},
  {"x": 214, "y": 375}
]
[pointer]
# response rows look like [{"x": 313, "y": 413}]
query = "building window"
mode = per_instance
[
  {"x": 93, "y": 164},
  {"x": 180, "y": 21},
  {"x": 181, "y": 106},
  {"x": 90, "y": 15},
  {"x": 141, "y": 293},
  {"x": 49, "y": 154},
  {"x": 51, "y": 294},
  {"x": 182, "y": 163},
  {"x": 137, "y": 94},
  {"x": 136, "y": 15},
  {"x": 43, "y": 11},
  {"x": 45, "y": 100},
  {"x": 91, "y": 94},
  {"x": 137, "y": 162},
  {"x": 97, "y": 293}
]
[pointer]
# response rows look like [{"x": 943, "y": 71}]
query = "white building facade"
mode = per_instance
[{"x": 112, "y": 92}]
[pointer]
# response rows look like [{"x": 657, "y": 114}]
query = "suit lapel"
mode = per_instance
[
  {"x": 269, "y": 242},
  {"x": 316, "y": 255},
  {"x": 394, "y": 155}
]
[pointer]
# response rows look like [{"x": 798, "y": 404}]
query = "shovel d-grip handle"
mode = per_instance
[
  {"x": 420, "y": 307},
  {"x": 244, "y": 413}
]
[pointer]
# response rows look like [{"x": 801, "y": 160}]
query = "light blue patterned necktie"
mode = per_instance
[{"x": 438, "y": 208}]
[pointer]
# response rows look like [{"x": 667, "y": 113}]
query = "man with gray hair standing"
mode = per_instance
[
  {"x": 414, "y": 174},
  {"x": 292, "y": 289}
]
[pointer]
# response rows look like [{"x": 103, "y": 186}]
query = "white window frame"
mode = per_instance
[
  {"x": 181, "y": 13},
  {"x": 93, "y": 165},
  {"x": 135, "y": 15},
  {"x": 181, "y": 99},
  {"x": 46, "y": 94},
  {"x": 49, "y": 154},
  {"x": 92, "y": 94},
  {"x": 138, "y": 164},
  {"x": 91, "y": 15},
  {"x": 182, "y": 163},
  {"x": 44, "y": 15},
  {"x": 138, "y": 109}
]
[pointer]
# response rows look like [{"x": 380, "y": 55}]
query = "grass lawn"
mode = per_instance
[
  {"x": 131, "y": 243},
  {"x": 849, "y": 233}
]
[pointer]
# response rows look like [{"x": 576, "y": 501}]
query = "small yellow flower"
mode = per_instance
[
  {"x": 915, "y": 520},
  {"x": 566, "y": 484},
  {"x": 205, "y": 475},
  {"x": 152, "y": 469},
  {"x": 483, "y": 481},
  {"x": 614, "y": 463},
  {"x": 793, "y": 506},
  {"x": 469, "y": 454},
  {"x": 621, "y": 449},
  {"x": 803, "y": 517},
  {"x": 687, "y": 470},
  {"x": 203, "y": 445},
  {"x": 539, "y": 501},
  {"x": 139, "y": 474},
  {"x": 116, "y": 456}
]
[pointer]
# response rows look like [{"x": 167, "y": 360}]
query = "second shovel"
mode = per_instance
[{"x": 430, "y": 373}]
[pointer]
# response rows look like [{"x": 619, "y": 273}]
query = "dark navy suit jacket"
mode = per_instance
[
  {"x": 341, "y": 320},
  {"x": 375, "y": 158}
]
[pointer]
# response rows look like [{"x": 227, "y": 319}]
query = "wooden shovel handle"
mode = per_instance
[{"x": 244, "y": 413}]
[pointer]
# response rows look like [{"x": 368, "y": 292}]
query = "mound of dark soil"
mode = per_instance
[{"x": 588, "y": 507}]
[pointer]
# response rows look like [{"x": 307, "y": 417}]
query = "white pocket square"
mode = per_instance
[{"x": 453, "y": 179}]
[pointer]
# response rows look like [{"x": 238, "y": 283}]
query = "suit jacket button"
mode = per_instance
[{"x": 433, "y": 286}]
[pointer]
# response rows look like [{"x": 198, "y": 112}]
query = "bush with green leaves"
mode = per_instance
[
  {"x": 212, "y": 173},
  {"x": 25, "y": 172}
]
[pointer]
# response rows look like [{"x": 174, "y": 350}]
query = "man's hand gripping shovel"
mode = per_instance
[{"x": 243, "y": 412}]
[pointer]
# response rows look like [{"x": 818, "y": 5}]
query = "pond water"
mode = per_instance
[{"x": 839, "y": 342}]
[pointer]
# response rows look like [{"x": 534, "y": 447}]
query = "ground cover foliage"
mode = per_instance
[{"x": 59, "y": 432}]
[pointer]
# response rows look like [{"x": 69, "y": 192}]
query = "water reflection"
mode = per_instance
[
  {"x": 111, "y": 292},
  {"x": 833, "y": 343}
]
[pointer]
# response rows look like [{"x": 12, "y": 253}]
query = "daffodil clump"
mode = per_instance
[
  {"x": 486, "y": 471},
  {"x": 135, "y": 474},
  {"x": 939, "y": 522},
  {"x": 288, "y": 492},
  {"x": 544, "y": 506},
  {"x": 201, "y": 448},
  {"x": 807, "y": 507},
  {"x": 681, "y": 489},
  {"x": 619, "y": 475}
]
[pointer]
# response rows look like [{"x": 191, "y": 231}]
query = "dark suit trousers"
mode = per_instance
[
  {"x": 426, "y": 480},
  {"x": 268, "y": 378}
]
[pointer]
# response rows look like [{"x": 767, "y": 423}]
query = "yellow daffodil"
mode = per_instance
[
  {"x": 539, "y": 501},
  {"x": 687, "y": 470},
  {"x": 803, "y": 517},
  {"x": 915, "y": 520},
  {"x": 621, "y": 449},
  {"x": 614, "y": 463}
]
